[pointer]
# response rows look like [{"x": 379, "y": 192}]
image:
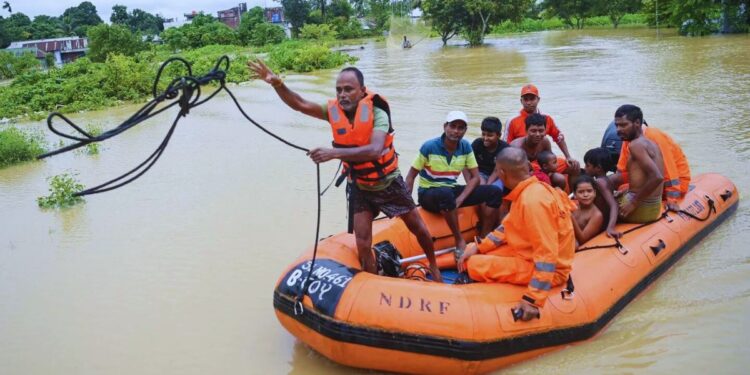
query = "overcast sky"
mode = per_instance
[{"x": 167, "y": 8}]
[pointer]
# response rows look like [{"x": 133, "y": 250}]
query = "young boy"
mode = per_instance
[
  {"x": 486, "y": 149},
  {"x": 548, "y": 165},
  {"x": 587, "y": 219},
  {"x": 596, "y": 164}
]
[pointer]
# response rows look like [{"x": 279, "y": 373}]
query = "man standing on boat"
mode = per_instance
[
  {"x": 363, "y": 140},
  {"x": 535, "y": 244}
]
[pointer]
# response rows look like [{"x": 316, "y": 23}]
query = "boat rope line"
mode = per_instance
[
  {"x": 664, "y": 215},
  {"x": 184, "y": 91}
]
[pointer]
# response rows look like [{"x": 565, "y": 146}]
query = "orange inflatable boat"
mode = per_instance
[{"x": 401, "y": 325}]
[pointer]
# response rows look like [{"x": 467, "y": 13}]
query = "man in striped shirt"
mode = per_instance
[{"x": 439, "y": 163}]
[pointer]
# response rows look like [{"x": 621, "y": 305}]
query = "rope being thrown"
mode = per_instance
[{"x": 185, "y": 91}]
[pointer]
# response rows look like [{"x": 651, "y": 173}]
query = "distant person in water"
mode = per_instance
[{"x": 406, "y": 43}]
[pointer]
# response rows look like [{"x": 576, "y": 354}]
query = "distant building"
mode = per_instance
[
  {"x": 231, "y": 17},
  {"x": 65, "y": 49},
  {"x": 274, "y": 15}
]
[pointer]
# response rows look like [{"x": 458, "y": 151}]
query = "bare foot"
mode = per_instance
[{"x": 436, "y": 276}]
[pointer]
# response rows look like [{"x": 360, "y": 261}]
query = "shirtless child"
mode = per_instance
[
  {"x": 587, "y": 219},
  {"x": 641, "y": 203},
  {"x": 596, "y": 164},
  {"x": 548, "y": 164}
]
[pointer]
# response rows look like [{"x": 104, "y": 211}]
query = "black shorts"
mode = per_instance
[
  {"x": 440, "y": 199},
  {"x": 392, "y": 201}
]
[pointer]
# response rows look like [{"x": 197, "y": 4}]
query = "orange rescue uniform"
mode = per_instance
[
  {"x": 676, "y": 168},
  {"x": 535, "y": 244},
  {"x": 516, "y": 128}
]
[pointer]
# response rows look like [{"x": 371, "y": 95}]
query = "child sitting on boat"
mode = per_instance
[
  {"x": 587, "y": 219},
  {"x": 548, "y": 165}
]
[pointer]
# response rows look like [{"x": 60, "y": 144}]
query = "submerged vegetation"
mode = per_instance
[
  {"x": 62, "y": 190},
  {"x": 18, "y": 146}
]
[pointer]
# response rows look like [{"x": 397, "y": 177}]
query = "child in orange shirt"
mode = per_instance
[{"x": 548, "y": 164}]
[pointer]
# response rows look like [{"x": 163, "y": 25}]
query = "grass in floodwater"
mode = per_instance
[{"x": 62, "y": 189}]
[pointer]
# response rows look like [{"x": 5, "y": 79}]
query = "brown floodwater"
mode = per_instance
[{"x": 174, "y": 273}]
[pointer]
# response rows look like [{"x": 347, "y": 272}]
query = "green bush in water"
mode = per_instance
[
  {"x": 17, "y": 146},
  {"x": 302, "y": 56},
  {"x": 93, "y": 148},
  {"x": 62, "y": 189}
]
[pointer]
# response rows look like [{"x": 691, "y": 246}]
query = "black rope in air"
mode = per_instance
[{"x": 184, "y": 91}]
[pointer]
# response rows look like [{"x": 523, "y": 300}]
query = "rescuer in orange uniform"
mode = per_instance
[
  {"x": 535, "y": 244},
  {"x": 516, "y": 127},
  {"x": 363, "y": 139}
]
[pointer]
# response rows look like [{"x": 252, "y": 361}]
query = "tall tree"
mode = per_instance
[
  {"x": 80, "y": 17},
  {"x": 105, "y": 39},
  {"x": 296, "y": 12},
  {"x": 18, "y": 27},
  {"x": 573, "y": 12},
  {"x": 616, "y": 9},
  {"x": 44, "y": 27},
  {"x": 444, "y": 16},
  {"x": 379, "y": 13},
  {"x": 119, "y": 15}
]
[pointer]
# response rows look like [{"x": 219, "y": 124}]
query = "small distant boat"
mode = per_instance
[{"x": 396, "y": 324}]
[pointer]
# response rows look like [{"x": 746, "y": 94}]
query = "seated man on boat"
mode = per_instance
[
  {"x": 676, "y": 167},
  {"x": 439, "y": 163},
  {"x": 644, "y": 167},
  {"x": 535, "y": 244},
  {"x": 363, "y": 139},
  {"x": 534, "y": 142}
]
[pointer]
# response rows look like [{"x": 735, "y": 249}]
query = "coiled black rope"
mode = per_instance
[{"x": 184, "y": 91}]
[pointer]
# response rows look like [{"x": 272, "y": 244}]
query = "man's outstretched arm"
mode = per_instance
[{"x": 291, "y": 98}]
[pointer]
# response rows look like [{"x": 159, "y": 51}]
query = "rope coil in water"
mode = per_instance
[{"x": 184, "y": 91}]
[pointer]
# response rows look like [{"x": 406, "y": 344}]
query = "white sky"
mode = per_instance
[{"x": 167, "y": 8}]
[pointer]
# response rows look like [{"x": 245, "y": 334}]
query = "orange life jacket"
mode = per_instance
[{"x": 346, "y": 135}]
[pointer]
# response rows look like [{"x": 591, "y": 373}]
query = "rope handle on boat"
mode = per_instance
[
  {"x": 184, "y": 91},
  {"x": 665, "y": 215}
]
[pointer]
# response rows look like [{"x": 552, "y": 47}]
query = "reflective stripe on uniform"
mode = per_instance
[
  {"x": 541, "y": 285},
  {"x": 545, "y": 267}
]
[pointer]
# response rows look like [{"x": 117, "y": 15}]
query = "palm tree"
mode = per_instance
[{"x": 6, "y": 5}]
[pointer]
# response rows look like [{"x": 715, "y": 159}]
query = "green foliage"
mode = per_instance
[
  {"x": 699, "y": 17},
  {"x": 138, "y": 20},
  {"x": 93, "y": 148},
  {"x": 248, "y": 21},
  {"x": 572, "y": 12},
  {"x": 379, "y": 14},
  {"x": 295, "y": 11},
  {"x": 266, "y": 33},
  {"x": 347, "y": 29},
  {"x": 616, "y": 9},
  {"x": 80, "y": 18},
  {"x": 322, "y": 32},
  {"x": 12, "y": 65},
  {"x": 204, "y": 30},
  {"x": 305, "y": 56},
  {"x": 62, "y": 189},
  {"x": 471, "y": 18},
  {"x": 17, "y": 146},
  {"x": 555, "y": 23},
  {"x": 45, "y": 27},
  {"x": 116, "y": 39}
]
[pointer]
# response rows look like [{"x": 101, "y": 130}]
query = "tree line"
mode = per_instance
[{"x": 473, "y": 19}]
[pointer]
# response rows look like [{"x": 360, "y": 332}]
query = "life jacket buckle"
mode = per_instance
[{"x": 567, "y": 295}]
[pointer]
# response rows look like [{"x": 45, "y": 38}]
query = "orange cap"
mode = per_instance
[{"x": 529, "y": 89}]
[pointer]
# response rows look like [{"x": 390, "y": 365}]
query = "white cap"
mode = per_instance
[{"x": 456, "y": 115}]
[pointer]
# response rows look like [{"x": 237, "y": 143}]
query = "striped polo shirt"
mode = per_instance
[{"x": 439, "y": 169}]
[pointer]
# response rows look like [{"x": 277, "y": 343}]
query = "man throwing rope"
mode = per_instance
[{"x": 363, "y": 139}]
